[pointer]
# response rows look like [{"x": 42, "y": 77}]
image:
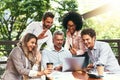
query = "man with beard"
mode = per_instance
[
  {"x": 57, "y": 54},
  {"x": 41, "y": 30}
]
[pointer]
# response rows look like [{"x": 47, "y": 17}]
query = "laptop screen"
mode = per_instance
[{"x": 73, "y": 64}]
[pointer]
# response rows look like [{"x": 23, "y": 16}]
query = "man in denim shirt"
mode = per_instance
[{"x": 100, "y": 53}]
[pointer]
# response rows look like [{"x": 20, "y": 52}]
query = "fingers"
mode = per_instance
[
  {"x": 59, "y": 68},
  {"x": 47, "y": 71},
  {"x": 73, "y": 51},
  {"x": 90, "y": 66},
  {"x": 42, "y": 34},
  {"x": 44, "y": 31}
]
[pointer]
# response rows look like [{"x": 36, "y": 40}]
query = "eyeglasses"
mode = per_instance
[{"x": 69, "y": 26}]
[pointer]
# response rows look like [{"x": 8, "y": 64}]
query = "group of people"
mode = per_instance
[{"x": 25, "y": 60}]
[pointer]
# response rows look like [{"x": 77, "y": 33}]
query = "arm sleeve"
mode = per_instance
[
  {"x": 44, "y": 58},
  {"x": 29, "y": 29},
  {"x": 81, "y": 49},
  {"x": 103, "y": 54},
  {"x": 49, "y": 41},
  {"x": 67, "y": 44},
  {"x": 33, "y": 73},
  {"x": 18, "y": 62}
]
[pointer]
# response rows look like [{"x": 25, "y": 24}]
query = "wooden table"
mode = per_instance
[{"x": 78, "y": 75}]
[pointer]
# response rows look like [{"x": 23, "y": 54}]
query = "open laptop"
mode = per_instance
[{"x": 73, "y": 64}]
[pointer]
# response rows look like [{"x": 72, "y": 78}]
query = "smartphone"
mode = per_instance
[
  {"x": 70, "y": 46},
  {"x": 95, "y": 76}
]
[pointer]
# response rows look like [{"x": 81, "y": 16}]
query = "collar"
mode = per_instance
[
  {"x": 62, "y": 49},
  {"x": 95, "y": 46}
]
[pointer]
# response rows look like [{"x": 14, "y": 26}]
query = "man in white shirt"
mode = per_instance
[
  {"x": 57, "y": 53},
  {"x": 41, "y": 30}
]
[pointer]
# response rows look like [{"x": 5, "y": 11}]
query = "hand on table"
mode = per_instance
[
  {"x": 44, "y": 72},
  {"x": 89, "y": 67},
  {"x": 58, "y": 68}
]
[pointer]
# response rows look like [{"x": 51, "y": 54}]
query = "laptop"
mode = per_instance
[{"x": 73, "y": 64}]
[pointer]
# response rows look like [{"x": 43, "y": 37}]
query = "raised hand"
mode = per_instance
[
  {"x": 73, "y": 51},
  {"x": 58, "y": 68},
  {"x": 42, "y": 35},
  {"x": 47, "y": 71}
]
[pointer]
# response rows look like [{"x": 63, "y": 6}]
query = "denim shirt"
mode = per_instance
[{"x": 103, "y": 54}]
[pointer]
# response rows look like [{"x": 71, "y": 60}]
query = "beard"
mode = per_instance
[{"x": 46, "y": 26}]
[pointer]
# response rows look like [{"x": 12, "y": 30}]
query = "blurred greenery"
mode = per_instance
[
  {"x": 15, "y": 15},
  {"x": 106, "y": 25}
]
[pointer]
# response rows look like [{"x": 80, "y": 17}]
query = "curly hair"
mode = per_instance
[{"x": 75, "y": 17}]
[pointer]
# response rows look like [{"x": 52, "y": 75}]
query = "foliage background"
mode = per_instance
[{"x": 15, "y": 15}]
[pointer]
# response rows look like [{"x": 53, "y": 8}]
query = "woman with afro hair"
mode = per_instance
[{"x": 72, "y": 22}]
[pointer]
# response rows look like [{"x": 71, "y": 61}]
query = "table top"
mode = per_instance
[
  {"x": 84, "y": 76},
  {"x": 78, "y": 75}
]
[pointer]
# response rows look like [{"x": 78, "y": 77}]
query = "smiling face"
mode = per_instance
[
  {"x": 71, "y": 27},
  {"x": 88, "y": 41},
  {"x": 31, "y": 44},
  {"x": 48, "y": 22},
  {"x": 58, "y": 41}
]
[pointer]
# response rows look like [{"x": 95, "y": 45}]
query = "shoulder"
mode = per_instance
[
  {"x": 102, "y": 44},
  {"x": 34, "y": 24},
  {"x": 17, "y": 51},
  {"x": 65, "y": 50},
  {"x": 46, "y": 50}
]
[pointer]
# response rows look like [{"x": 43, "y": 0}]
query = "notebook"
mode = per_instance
[{"x": 73, "y": 64}]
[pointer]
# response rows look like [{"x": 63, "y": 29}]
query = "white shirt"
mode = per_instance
[
  {"x": 56, "y": 57},
  {"x": 76, "y": 42},
  {"x": 36, "y": 28}
]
